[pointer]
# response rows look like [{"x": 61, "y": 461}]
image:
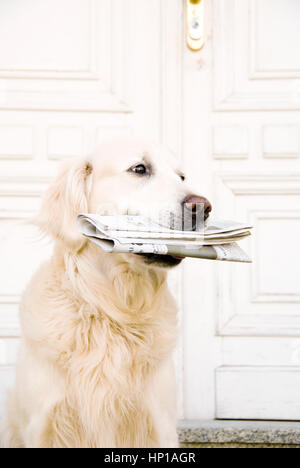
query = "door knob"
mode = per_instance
[{"x": 195, "y": 24}]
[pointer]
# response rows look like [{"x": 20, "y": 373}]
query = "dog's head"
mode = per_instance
[{"x": 120, "y": 178}]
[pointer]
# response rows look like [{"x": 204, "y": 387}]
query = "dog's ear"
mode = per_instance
[{"x": 65, "y": 199}]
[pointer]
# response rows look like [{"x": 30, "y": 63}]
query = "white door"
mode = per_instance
[
  {"x": 73, "y": 72},
  {"x": 241, "y": 135}
]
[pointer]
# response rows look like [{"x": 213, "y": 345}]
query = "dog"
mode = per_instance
[{"x": 98, "y": 329}]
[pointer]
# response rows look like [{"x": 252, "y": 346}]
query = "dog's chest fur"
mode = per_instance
[{"x": 110, "y": 352}]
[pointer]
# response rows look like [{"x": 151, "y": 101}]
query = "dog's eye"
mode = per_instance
[
  {"x": 140, "y": 169},
  {"x": 182, "y": 177}
]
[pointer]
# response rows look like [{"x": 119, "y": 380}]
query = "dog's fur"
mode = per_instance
[{"x": 98, "y": 330}]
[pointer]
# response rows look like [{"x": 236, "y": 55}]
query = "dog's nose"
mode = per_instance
[
  {"x": 192, "y": 202},
  {"x": 198, "y": 207}
]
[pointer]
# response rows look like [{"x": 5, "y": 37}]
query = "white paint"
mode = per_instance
[
  {"x": 34, "y": 30},
  {"x": 16, "y": 142},
  {"x": 281, "y": 141},
  {"x": 235, "y": 29},
  {"x": 9, "y": 349},
  {"x": 19, "y": 245},
  {"x": 278, "y": 40},
  {"x": 7, "y": 377},
  {"x": 258, "y": 393},
  {"x": 284, "y": 230},
  {"x": 65, "y": 142},
  {"x": 111, "y": 132},
  {"x": 230, "y": 142}
]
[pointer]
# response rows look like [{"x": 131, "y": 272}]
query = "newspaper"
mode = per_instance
[{"x": 140, "y": 235}]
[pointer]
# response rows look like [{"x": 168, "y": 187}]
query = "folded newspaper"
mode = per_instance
[{"x": 139, "y": 235}]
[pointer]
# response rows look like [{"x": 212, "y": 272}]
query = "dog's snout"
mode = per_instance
[{"x": 197, "y": 206}]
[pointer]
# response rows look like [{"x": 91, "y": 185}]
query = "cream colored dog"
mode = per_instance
[{"x": 98, "y": 330}]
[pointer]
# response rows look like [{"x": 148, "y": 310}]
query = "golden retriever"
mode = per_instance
[{"x": 98, "y": 330}]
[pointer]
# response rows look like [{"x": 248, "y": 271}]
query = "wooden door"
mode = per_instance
[{"x": 241, "y": 144}]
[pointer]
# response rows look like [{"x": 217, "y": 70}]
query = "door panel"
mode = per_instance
[
  {"x": 255, "y": 63},
  {"x": 256, "y": 392}
]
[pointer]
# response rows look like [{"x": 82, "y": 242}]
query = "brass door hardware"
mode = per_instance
[{"x": 195, "y": 24}]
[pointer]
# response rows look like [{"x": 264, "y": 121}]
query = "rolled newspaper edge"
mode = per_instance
[{"x": 229, "y": 252}]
